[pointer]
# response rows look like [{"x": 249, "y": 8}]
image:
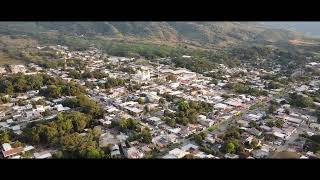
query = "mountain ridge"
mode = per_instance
[{"x": 205, "y": 34}]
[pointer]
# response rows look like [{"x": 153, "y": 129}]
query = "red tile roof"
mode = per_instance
[{"x": 12, "y": 151}]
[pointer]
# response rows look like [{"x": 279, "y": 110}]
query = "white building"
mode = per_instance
[{"x": 18, "y": 69}]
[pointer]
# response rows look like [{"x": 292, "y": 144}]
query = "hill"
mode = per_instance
[{"x": 205, "y": 34}]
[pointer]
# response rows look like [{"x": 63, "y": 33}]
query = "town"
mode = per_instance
[{"x": 137, "y": 108}]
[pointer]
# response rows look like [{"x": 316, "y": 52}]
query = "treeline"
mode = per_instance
[
  {"x": 245, "y": 89},
  {"x": 300, "y": 100},
  {"x": 131, "y": 127},
  {"x": 84, "y": 104},
  {"x": 56, "y": 87},
  {"x": 63, "y": 134},
  {"x": 187, "y": 112}
]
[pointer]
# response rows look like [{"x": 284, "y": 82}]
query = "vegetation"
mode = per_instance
[
  {"x": 84, "y": 104},
  {"x": 63, "y": 133},
  {"x": 187, "y": 112},
  {"x": 56, "y": 87},
  {"x": 299, "y": 100},
  {"x": 313, "y": 144},
  {"x": 244, "y": 89}
]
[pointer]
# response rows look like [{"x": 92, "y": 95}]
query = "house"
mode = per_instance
[
  {"x": 152, "y": 97},
  {"x": 176, "y": 154},
  {"x": 133, "y": 153},
  {"x": 122, "y": 137},
  {"x": 134, "y": 111},
  {"x": 190, "y": 148},
  {"x": 15, "y": 128},
  {"x": 3, "y": 70},
  {"x": 115, "y": 150},
  {"x": 18, "y": 69},
  {"x": 243, "y": 123},
  {"x": 315, "y": 125},
  {"x": 107, "y": 139},
  {"x": 8, "y": 151},
  {"x": 155, "y": 121},
  {"x": 234, "y": 102},
  {"x": 265, "y": 128},
  {"x": 254, "y": 131},
  {"x": 203, "y": 155},
  {"x": 59, "y": 107},
  {"x": 174, "y": 130},
  {"x": 279, "y": 135},
  {"x": 231, "y": 156},
  {"x": 42, "y": 155},
  {"x": 40, "y": 108},
  {"x": 6, "y": 146},
  {"x": 105, "y": 122},
  {"x": 254, "y": 117},
  {"x": 28, "y": 148},
  {"x": 293, "y": 119},
  {"x": 259, "y": 154},
  {"x": 206, "y": 122}
]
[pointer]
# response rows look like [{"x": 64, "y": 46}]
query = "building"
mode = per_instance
[
  {"x": 176, "y": 154},
  {"x": 3, "y": 70},
  {"x": 155, "y": 121},
  {"x": 133, "y": 153},
  {"x": 18, "y": 69},
  {"x": 142, "y": 75},
  {"x": 293, "y": 119},
  {"x": 42, "y": 155},
  {"x": 206, "y": 122},
  {"x": 8, "y": 151}
]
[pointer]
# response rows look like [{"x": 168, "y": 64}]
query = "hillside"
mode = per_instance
[{"x": 206, "y": 34}]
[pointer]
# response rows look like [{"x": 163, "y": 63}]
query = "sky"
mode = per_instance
[{"x": 311, "y": 28}]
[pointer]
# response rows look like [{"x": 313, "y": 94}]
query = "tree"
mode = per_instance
[
  {"x": 141, "y": 100},
  {"x": 5, "y": 136},
  {"x": 183, "y": 106},
  {"x": 35, "y": 81},
  {"x": 230, "y": 148},
  {"x": 272, "y": 108},
  {"x": 198, "y": 139},
  {"x": 170, "y": 121},
  {"x": 74, "y": 74},
  {"x": 203, "y": 134},
  {"x": 18, "y": 144},
  {"x": 300, "y": 100},
  {"x": 279, "y": 123},
  {"x": 53, "y": 91},
  {"x": 57, "y": 155},
  {"x": 6, "y": 87},
  {"x": 146, "y": 135},
  {"x": 231, "y": 133}
]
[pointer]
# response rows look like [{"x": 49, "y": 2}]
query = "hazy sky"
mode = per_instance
[{"x": 311, "y": 28}]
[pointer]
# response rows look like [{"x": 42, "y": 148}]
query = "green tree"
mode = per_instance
[
  {"x": 183, "y": 106},
  {"x": 53, "y": 91},
  {"x": 146, "y": 135},
  {"x": 5, "y": 136},
  {"x": 141, "y": 100},
  {"x": 230, "y": 148}
]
